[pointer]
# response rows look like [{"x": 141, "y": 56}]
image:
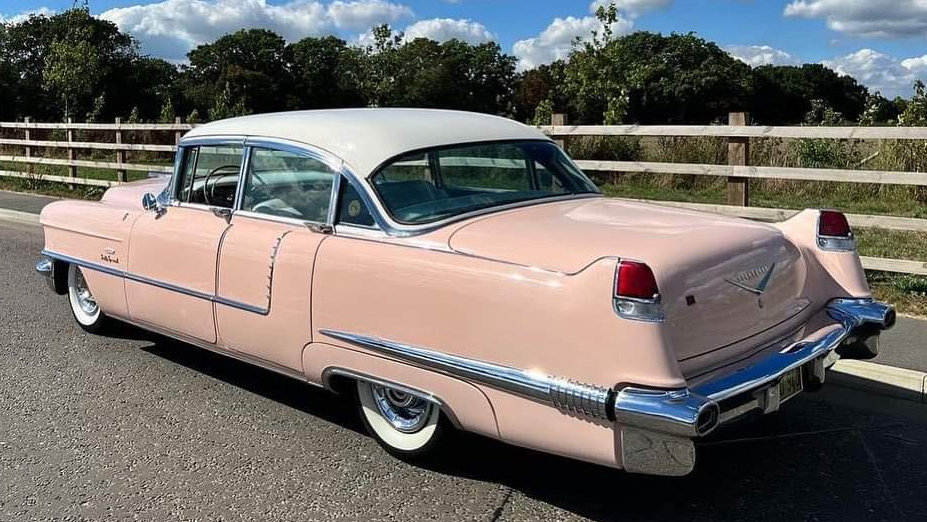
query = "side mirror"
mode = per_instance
[{"x": 150, "y": 202}]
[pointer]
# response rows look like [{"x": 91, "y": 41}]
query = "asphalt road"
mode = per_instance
[{"x": 139, "y": 427}]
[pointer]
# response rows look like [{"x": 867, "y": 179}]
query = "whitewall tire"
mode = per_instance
[
  {"x": 405, "y": 425},
  {"x": 84, "y": 306}
]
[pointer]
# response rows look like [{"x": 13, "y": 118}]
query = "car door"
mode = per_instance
[
  {"x": 263, "y": 303},
  {"x": 171, "y": 281}
]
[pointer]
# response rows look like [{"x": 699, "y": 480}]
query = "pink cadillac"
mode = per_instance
[{"x": 456, "y": 270}]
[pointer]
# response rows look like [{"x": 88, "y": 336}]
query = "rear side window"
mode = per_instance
[
  {"x": 436, "y": 184},
  {"x": 352, "y": 210}
]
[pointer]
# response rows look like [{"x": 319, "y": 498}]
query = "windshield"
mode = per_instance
[{"x": 440, "y": 183}]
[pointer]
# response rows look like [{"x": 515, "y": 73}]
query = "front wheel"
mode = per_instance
[
  {"x": 83, "y": 305},
  {"x": 405, "y": 425}
]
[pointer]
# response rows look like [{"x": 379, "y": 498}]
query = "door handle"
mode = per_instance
[{"x": 224, "y": 213}]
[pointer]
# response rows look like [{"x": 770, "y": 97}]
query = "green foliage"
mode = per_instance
[
  {"x": 168, "y": 114},
  {"x": 226, "y": 106},
  {"x": 605, "y": 148},
  {"x": 783, "y": 94},
  {"x": 95, "y": 114},
  {"x": 134, "y": 116},
  {"x": 242, "y": 72},
  {"x": 194, "y": 117},
  {"x": 73, "y": 63},
  {"x": 543, "y": 113},
  {"x": 53, "y": 64},
  {"x": 665, "y": 79}
]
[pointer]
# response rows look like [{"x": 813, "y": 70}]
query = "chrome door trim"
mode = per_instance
[{"x": 155, "y": 282}]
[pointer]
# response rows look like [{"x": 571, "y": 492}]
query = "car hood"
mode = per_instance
[
  {"x": 568, "y": 236},
  {"x": 130, "y": 194}
]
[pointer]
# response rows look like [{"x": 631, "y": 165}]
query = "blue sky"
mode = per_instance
[{"x": 880, "y": 42}]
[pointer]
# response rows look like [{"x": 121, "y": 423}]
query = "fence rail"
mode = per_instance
[
  {"x": 738, "y": 171},
  {"x": 71, "y": 145}
]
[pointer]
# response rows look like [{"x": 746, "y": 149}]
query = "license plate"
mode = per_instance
[{"x": 790, "y": 385}]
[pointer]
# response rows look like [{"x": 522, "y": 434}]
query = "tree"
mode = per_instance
[
  {"x": 84, "y": 56},
  {"x": 653, "y": 78},
  {"x": 251, "y": 64},
  {"x": 783, "y": 94},
  {"x": 327, "y": 73},
  {"x": 534, "y": 87}
]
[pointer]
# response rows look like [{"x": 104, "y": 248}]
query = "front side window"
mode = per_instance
[
  {"x": 444, "y": 182},
  {"x": 290, "y": 185},
  {"x": 209, "y": 175}
]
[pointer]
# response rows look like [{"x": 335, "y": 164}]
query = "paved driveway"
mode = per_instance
[{"x": 136, "y": 426}]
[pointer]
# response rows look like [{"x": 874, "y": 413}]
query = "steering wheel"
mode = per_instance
[{"x": 209, "y": 195}]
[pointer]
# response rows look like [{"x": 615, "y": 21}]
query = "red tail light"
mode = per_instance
[
  {"x": 833, "y": 224},
  {"x": 635, "y": 280}
]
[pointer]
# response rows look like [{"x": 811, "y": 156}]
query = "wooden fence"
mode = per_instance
[
  {"x": 738, "y": 171},
  {"x": 72, "y": 145}
]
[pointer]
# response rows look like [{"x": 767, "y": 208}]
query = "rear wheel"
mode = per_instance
[
  {"x": 83, "y": 305},
  {"x": 405, "y": 425}
]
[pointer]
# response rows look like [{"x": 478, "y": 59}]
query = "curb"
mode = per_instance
[
  {"x": 19, "y": 217},
  {"x": 877, "y": 378}
]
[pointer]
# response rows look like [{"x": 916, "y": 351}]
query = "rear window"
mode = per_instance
[{"x": 436, "y": 184}]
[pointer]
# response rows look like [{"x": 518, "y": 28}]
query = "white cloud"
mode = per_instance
[
  {"x": 868, "y": 18},
  {"x": 438, "y": 29},
  {"x": 170, "y": 28},
  {"x": 756, "y": 55},
  {"x": 556, "y": 41},
  {"x": 363, "y": 14},
  {"x": 23, "y": 16},
  {"x": 443, "y": 29},
  {"x": 631, "y": 8},
  {"x": 881, "y": 72}
]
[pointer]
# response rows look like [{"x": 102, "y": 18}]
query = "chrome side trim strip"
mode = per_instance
[
  {"x": 156, "y": 283},
  {"x": 568, "y": 396},
  {"x": 84, "y": 264}
]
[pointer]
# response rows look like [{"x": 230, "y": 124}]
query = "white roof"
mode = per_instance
[{"x": 365, "y": 138}]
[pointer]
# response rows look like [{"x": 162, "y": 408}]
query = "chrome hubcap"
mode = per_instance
[
  {"x": 84, "y": 298},
  {"x": 405, "y": 412}
]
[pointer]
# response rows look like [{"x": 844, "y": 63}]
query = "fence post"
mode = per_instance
[
  {"x": 738, "y": 154},
  {"x": 27, "y": 120},
  {"x": 28, "y": 137},
  {"x": 72, "y": 170},
  {"x": 559, "y": 119},
  {"x": 120, "y": 154},
  {"x": 177, "y": 133}
]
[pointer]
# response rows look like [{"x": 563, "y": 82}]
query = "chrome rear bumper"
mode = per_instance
[{"x": 658, "y": 425}]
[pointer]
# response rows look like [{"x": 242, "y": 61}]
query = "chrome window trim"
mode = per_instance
[
  {"x": 235, "y": 141},
  {"x": 365, "y": 190}
]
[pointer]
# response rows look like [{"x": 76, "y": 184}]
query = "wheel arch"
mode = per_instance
[
  {"x": 465, "y": 405},
  {"x": 338, "y": 380}
]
